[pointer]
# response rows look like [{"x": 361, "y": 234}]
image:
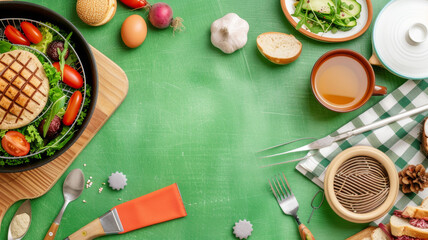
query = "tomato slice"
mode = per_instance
[
  {"x": 73, "y": 108},
  {"x": 31, "y": 32},
  {"x": 71, "y": 77},
  {"x": 135, "y": 3},
  {"x": 15, "y": 36},
  {"x": 15, "y": 144}
]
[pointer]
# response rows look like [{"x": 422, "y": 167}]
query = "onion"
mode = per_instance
[{"x": 160, "y": 16}]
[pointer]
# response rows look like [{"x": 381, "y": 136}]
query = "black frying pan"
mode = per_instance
[{"x": 42, "y": 14}]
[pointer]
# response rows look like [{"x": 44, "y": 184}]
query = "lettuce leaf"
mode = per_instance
[
  {"x": 6, "y": 47},
  {"x": 33, "y": 137}
]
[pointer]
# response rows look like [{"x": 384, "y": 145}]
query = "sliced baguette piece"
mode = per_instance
[
  {"x": 424, "y": 136},
  {"x": 363, "y": 235},
  {"x": 279, "y": 48},
  {"x": 402, "y": 227},
  {"x": 378, "y": 234},
  {"x": 417, "y": 212}
]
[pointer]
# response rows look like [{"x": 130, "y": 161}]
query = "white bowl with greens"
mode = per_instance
[{"x": 329, "y": 20}]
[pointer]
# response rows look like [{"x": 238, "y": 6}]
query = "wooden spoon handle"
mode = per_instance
[
  {"x": 305, "y": 234},
  {"x": 50, "y": 235},
  {"x": 92, "y": 230}
]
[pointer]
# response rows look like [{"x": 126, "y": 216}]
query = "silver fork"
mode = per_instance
[{"x": 288, "y": 203}]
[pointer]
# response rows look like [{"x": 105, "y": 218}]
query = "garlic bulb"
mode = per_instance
[{"x": 229, "y": 33}]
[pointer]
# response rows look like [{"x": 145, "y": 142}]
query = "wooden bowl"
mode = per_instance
[{"x": 332, "y": 170}]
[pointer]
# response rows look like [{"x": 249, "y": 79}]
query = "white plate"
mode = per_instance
[
  {"x": 363, "y": 23},
  {"x": 392, "y": 39}
]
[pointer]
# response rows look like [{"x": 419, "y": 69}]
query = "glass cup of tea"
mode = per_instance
[{"x": 343, "y": 80}]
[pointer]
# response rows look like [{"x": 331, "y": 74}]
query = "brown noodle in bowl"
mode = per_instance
[{"x": 361, "y": 184}]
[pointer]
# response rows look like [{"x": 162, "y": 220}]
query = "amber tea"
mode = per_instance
[{"x": 342, "y": 81}]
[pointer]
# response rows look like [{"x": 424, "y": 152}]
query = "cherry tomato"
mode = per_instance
[
  {"x": 31, "y": 32},
  {"x": 15, "y": 36},
  {"x": 73, "y": 108},
  {"x": 71, "y": 77},
  {"x": 15, "y": 144},
  {"x": 135, "y": 3}
]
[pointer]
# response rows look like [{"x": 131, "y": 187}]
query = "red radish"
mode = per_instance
[{"x": 160, "y": 16}]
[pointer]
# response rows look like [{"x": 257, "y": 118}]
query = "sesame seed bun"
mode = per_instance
[{"x": 96, "y": 12}]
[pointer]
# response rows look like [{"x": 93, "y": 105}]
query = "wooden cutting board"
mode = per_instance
[{"x": 113, "y": 87}]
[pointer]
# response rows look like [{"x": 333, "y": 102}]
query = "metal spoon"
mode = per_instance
[
  {"x": 72, "y": 188},
  {"x": 20, "y": 221}
]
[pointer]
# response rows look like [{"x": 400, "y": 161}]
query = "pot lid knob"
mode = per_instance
[{"x": 417, "y": 33}]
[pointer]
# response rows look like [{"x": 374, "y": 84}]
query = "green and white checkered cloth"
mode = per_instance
[{"x": 399, "y": 140}]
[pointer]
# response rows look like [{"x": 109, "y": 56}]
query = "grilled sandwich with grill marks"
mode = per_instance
[{"x": 24, "y": 89}]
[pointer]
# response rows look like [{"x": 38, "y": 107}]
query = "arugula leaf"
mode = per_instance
[
  {"x": 301, "y": 22},
  {"x": 56, "y": 107},
  {"x": 62, "y": 53},
  {"x": 71, "y": 60},
  {"x": 54, "y": 145},
  {"x": 298, "y": 9},
  {"x": 338, "y": 5}
]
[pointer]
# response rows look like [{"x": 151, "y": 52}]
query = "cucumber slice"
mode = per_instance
[
  {"x": 319, "y": 6},
  {"x": 347, "y": 23},
  {"x": 350, "y": 24},
  {"x": 345, "y": 12}
]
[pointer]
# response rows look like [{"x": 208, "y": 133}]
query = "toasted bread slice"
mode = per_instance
[
  {"x": 279, "y": 48},
  {"x": 424, "y": 136},
  {"x": 378, "y": 234},
  {"x": 365, "y": 234},
  {"x": 402, "y": 227},
  {"x": 417, "y": 212}
]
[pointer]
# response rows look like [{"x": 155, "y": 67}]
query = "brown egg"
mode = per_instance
[{"x": 134, "y": 31}]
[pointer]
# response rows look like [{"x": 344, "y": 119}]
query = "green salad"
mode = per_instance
[
  {"x": 37, "y": 132},
  {"x": 321, "y": 16}
]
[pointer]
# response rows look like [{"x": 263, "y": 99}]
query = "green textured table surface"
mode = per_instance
[{"x": 196, "y": 116}]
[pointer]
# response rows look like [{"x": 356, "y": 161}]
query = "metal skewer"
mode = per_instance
[{"x": 328, "y": 140}]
